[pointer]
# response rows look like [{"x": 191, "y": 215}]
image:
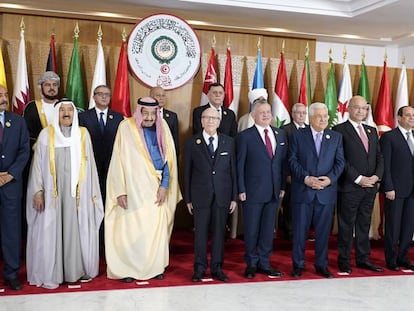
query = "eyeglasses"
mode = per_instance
[
  {"x": 209, "y": 118},
  {"x": 102, "y": 94}
]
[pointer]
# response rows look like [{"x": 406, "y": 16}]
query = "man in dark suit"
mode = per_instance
[
  {"x": 364, "y": 167},
  {"x": 102, "y": 124},
  {"x": 228, "y": 124},
  {"x": 299, "y": 113},
  {"x": 210, "y": 191},
  {"x": 316, "y": 160},
  {"x": 261, "y": 163},
  {"x": 169, "y": 116},
  {"x": 398, "y": 185},
  {"x": 15, "y": 151}
]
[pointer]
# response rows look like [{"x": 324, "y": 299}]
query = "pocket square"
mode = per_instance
[{"x": 224, "y": 153}]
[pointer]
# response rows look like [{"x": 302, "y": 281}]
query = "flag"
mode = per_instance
[
  {"x": 402, "y": 93},
  {"x": 120, "y": 94},
  {"x": 383, "y": 110},
  {"x": 363, "y": 90},
  {"x": 99, "y": 75},
  {"x": 258, "y": 82},
  {"x": 344, "y": 95},
  {"x": 210, "y": 78},
  {"x": 228, "y": 85},
  {"x": 280, "y": 105},
  {"x": 21, "y": 96},
  {"x": 2, "y": 71},
  {"x": 331, "y": 99},
  {"x": 51, "y": 59},
  {"x": 305, "y": 92},
  {"x": 74, "y": 85}
]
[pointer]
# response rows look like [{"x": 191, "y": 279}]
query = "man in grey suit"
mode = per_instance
[
  {"x": 210, "y": 191},
  {"x": 398, "y": 185},
  {"x": 358, "y": 185}
]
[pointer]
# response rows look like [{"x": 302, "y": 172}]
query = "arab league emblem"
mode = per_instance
[{"x": 163, "y": 50}]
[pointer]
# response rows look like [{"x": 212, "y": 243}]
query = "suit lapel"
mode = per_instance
[{"x": 355, "y": 136}]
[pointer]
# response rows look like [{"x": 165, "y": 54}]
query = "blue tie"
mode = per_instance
[
  {"x": 211, "y": 146},
  {"x": 101, "y": 122}
]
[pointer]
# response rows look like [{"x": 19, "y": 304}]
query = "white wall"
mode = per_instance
[{"x": 374, "y": 56}]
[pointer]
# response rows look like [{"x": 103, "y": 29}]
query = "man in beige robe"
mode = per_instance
[
  {"x": 64, "y": 204},
  {"x": 142, "y": 194}
]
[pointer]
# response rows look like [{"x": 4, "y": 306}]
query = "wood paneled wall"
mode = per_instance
[{"x": 184, "y": 99}]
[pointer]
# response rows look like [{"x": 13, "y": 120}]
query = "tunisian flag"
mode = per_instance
[
  {"x": 210, "y": 78},
  {"x": 383, "y": 110},
  {"x": 228, "y": 84},
  {"x": 120, "y": 94}
]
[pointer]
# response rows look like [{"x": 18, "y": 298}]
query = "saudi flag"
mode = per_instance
[{"x": 331, "y": 95}]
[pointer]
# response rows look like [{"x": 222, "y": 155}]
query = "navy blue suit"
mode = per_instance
[
  {"x": 14, "y": 154},
  {"x": 261, "y": 178},
  {"x": 102, "y": 143},
  {"x": 313, "y": 205},
  {"x": 210, "y": 185},
  {"x": 399, "y": 213},
  {"x": 172, "y": 120}
]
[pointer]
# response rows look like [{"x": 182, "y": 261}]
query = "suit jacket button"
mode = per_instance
[
  {"x": 214, "y": 172},
  {"x": 2, "y": 156}
]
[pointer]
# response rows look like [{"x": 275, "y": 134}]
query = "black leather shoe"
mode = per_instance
[
  {"x": 250, "y": 272},
  {"x": 219, "y": 275},
  {"x": 369, "y": 266},
  {"x": 345, "y": 269},
  {"x": 159, "y": 276},
  {"x": 270, "y": 272},
  {"x": 324, "y": 272},
  {"x": 13, "y": 284},
  {"x": 406, "y": 265},
  {"x": 393, "y": 267},
  {"x": 127, "y": 280},
  {"x": 197, "y": 276},
  {"x": 296, "y": 272}
]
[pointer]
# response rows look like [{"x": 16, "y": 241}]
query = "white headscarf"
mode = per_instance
[
  {"x": 256, "y": 93},
  {"x": 73, "y": 141}
]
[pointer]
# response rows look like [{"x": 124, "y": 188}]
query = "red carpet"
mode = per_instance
[{"x": 180, "y": 269}]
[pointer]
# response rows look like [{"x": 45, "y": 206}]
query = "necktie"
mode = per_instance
[
  {"x": 318, "y": 141},
  {"x": 101, "y": 122},
  {"x": 1, "y": 131},
  {"x": 211, "y": 146},
  {"x": 409, "y": 142},
  {"x": 268, "y": 144},
  {"x": 363, "y": 136}
]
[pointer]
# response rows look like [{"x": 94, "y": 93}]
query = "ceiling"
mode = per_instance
[{"x": 369, "y": 22}]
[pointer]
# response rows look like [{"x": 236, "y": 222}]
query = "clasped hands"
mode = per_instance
[
  {"x": 5, "y": 178},
  {"x": 317, "y": 182},
  {"x": 368, "y": 182}
]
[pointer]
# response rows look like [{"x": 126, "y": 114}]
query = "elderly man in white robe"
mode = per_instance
[
  {"x": 64, "y": 204},
  {"x": 141, "y": 196}
]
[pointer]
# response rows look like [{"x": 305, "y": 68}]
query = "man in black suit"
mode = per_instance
[
  {"x": 316, "y": 160},
  {"x": 261, "y": 170},
  {"x": 102, "y": 124},
  {"x": 364, "y": 167},
  {"x": 169, "y": 116},
  {"x": 15, "y": 151},
  {"x": 228, "y": 124},
  {"x": 210, "y": 191},
  {"x": 299, "y": 113},
  {"x": 397, "y": 147}
]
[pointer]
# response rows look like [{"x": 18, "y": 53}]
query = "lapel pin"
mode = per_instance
[
  {"x": 167, "y": 115},
  {"x": 111, "y": 116},
  {"x": 369, "y": 131},
  {"x": 225, "y": 113},
  {"x": 328, "y": 136},
  {"x": 8, "y": 124},
  {"x": 198, "y": 141}
]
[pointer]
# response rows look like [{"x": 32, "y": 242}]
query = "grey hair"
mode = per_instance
[
  {"x": 296, "y": 106},
  {"x": 315, "y": 106}
]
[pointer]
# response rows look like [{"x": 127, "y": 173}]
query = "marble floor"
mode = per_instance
[{"x": 373, "y": 293}]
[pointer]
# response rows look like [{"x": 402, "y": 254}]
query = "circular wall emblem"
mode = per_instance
[{"x": 163, "y": 50}]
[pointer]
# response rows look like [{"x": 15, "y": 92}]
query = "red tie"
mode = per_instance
[
  {"x": 363, "y": 136},
  {"x": 268, "y": 144}
]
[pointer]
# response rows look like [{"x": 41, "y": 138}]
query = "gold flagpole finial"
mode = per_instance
[
  {"x": 330, "y": 55},
  {"x": 258, "y": 44},
  {"x": 385, "y": 55},
  {"x": 403, "y": 60},
  {"x": 100, "y": 33},
  {"x": 76, "y": 30},
  {"x": 124, "y": 34},
  {"x": 307, "y": 49},
  {"x": 344, "y": 54},
  {"x": 213, "y": 42},
  {"x": 228, "y": 43},
  {"x": 363, "y": 55},
  {"x": 53, "y": 33},
  {"x": 22, "y": 25},
  {"x": 283, "y": 46}
]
